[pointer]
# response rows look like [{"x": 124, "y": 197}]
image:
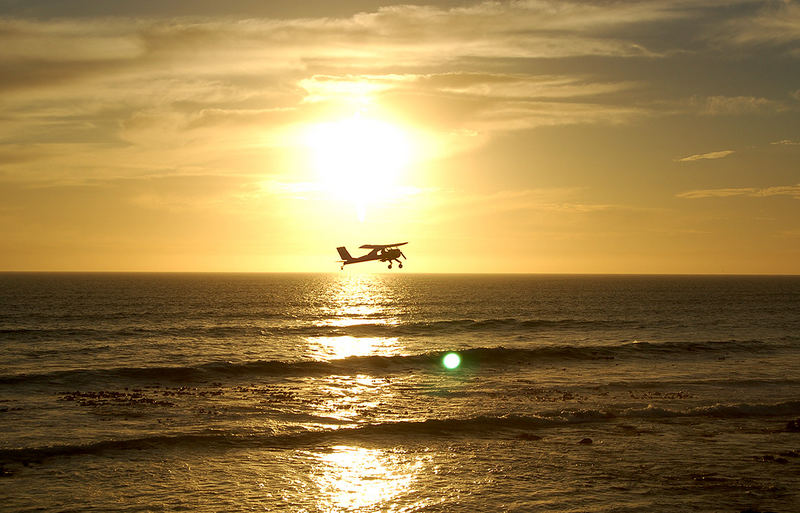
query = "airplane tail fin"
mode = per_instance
[{"x": 344, "y": 253}]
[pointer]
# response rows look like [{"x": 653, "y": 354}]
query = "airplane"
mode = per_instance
[{"x": 382, "y": 252}]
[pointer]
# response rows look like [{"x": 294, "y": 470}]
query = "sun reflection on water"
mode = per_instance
[
  {"x": 360, "y": 296},
  {"x": 357, "y": 318},
  {"x": 336, "y": 348},
  {"x": 351, "y": 478},
  {"x": 362, "y": 301},
  {"x": 353, "y": 398}
]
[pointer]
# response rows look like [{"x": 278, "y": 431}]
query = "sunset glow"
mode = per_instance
[
  {"x": 524, "y": 137},
  {"x": 400, "y": 255},
  {"x": 359, "y": 160}
]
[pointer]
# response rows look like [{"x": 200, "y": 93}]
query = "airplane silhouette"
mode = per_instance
[{"x": 382, "y": 252}]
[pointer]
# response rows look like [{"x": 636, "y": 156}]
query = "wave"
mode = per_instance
[
  {"x": 471, "y": 360},
  {"x": 448, "y": 325},
  {"x": 315, "y": 327},
  {"x": 128, "y": 333},
  {"x": 485, "y": 425}
]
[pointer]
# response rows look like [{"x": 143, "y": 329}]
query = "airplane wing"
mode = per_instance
[{"x": 382, "y": 246}]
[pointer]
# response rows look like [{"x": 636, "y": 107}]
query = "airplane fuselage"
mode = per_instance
[
  {"x": 387, "y": 255},
  {"x": 381, "y": 253}
]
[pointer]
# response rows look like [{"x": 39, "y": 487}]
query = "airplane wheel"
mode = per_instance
[
  {"x": 390, "y": 266},
  {"x": 400, "y": 265}
]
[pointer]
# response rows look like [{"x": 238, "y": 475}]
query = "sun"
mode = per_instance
[{"x": 359, "y": 160}]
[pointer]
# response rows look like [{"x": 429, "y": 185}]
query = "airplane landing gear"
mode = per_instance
[
  {"x": 390, "y": 265},
  {"x": 400, "y": 265}
]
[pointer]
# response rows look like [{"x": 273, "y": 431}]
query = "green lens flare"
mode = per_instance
[{"x": 451, "y": 360}]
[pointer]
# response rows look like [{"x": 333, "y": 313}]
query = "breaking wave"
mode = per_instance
[
  {"x": 472, "y": 359},
  {"x": 506, "y": 426},
  {"x": 316, "y": 327}
]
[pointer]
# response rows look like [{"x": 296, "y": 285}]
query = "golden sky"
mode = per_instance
[{"x": 522, "y": 136}]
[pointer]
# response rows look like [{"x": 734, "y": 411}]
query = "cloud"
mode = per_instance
[
  {"x": 717, "y": 193},
  {"x": 152, "y": 91},
  {"x": 193, "y": 94},
  {"x": 403, "y": 34},
  {"x": 556, "y": 200},
  {"x": 518, "y": 85},
  {"x": 781, "y": 190},
  {"x": 47, "y": 52},
  {"x": 482, "y": 101},
  {"x": 67, "y": 40},
  {"x": 786, "y": 142},
  {"x": 775, "y": 23},
  {"x": 733, "y": 105},
  {"x": 706, "y": 156}
]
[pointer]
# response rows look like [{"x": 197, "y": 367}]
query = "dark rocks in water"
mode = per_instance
[
  {"x": 708, "y": 478},
  {"x": 791, "y": 454},
  {"x": 771, "y": 458},
  {"x": 586, "y": 441},
  {"x": 793, "y": 426},
  {"x": 751, "y": 510},
  {"x": 528, "y": 436}
]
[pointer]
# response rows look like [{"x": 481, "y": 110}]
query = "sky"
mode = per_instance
[{"x": 520, "y": 136}]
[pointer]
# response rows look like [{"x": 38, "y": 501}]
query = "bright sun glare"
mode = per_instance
[{"x": 359, "y": 160}]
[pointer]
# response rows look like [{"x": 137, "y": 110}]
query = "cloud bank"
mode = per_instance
[
  {"x": 707, "y": 156},
  {"x": 792, "y": 191}
]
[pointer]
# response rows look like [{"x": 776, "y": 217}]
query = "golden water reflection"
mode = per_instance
[
  {"x": 343, "y": 322},
  {"x": 357, "y": 398},
  {"x": 352, "y": 478},
  {"x": 359, "y": 296},
  {"x": 361, "y": 300},
  {"x": 336, "y": 348}
]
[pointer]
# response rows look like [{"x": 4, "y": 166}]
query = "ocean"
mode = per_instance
[{"x": 327, "y": 392}]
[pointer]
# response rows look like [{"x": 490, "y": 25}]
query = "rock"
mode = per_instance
[
  {"x": 528, "y": 436},
  {"x": 793, "y": 426},
  {"x": 773, "y": 459},
  {"x": 585, "y": 441}
]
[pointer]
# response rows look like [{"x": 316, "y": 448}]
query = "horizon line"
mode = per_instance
[{"x": 480, "y": 273}]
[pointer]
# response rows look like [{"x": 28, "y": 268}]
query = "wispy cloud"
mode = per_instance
[
  {"x": 483, "y": 101},
  {"x": 734, "y": 105},
  {"x": 490, "y": 85},
  {"x": 402, "y": 34},
  {"x": 152, "y": 90},
  {"x": 706, "y": 156},
  {"x": 556, "y": 201},
  {"x": 776, "y": 23},
  {"x": 199, "y": 94},
  {"x": 786, "y": 142},
  {"x": 780, "y": 190}
]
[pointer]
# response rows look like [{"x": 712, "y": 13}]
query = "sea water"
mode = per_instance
[{"x": 327, "y": 392}]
